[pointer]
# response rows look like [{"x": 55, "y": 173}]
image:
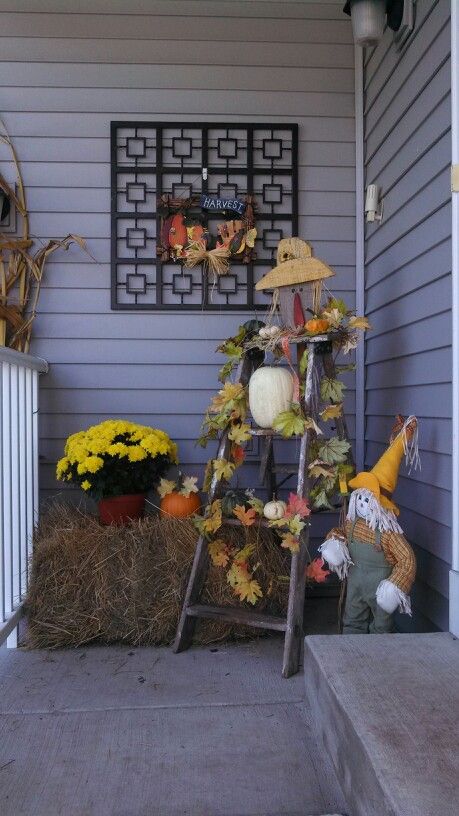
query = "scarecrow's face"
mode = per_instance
[
  {"x": 294, "y": 302},
  {"x": 362, "y": 504}
]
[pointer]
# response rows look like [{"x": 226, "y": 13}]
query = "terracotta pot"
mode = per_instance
[
  {"x": 178, "y": 506},
  {"x": 122, "y": 509}
]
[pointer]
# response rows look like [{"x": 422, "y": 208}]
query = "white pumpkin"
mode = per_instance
[
  {"x": 274, "y": 510},
  {"x": 270, "y": 393}
]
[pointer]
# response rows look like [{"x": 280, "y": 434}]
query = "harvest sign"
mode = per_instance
[{"x": 221, "y": 204}]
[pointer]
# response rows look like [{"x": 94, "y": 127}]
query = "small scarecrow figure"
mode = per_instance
[
  {"x": 297, "y": 282},
  {"x": 373, "y": 554}
]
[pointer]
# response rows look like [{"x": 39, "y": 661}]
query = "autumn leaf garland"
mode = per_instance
[
  {"x": 328, "y": 468},
  {"x": 240, "y": 574}
]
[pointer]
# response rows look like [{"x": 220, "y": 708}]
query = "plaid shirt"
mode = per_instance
[{"x": 396, "y": 549}]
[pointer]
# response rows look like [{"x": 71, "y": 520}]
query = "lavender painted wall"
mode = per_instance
[
  {"x": 408, "y": 284},
  {"x": 69, "y": 69}
]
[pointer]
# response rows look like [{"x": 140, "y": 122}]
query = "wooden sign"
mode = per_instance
[{"x": 222, "y": 204}]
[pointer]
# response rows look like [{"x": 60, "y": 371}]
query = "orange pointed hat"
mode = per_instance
[{"x": 382, "y": 478}]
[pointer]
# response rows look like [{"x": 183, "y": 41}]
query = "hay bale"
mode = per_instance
[{"x": 91, "y": 583}]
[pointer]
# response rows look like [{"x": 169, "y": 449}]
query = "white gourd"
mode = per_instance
[
  {"x": 270, "y": 393},
  {"x": 274, "y": 510}
]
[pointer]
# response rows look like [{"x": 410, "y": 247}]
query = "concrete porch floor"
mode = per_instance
[{"x": 118, "y": 731}]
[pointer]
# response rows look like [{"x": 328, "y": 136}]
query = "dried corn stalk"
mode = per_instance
[{"x": 21, "y": 272}]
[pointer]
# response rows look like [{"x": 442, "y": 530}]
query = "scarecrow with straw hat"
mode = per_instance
[
  {"x": 373, "y": 554},
  {"x": 296, "y": 281}
]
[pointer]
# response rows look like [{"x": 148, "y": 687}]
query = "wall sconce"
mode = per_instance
[
  {"x": 369, "y": 18},
  {"x": 373, "y": 205}
]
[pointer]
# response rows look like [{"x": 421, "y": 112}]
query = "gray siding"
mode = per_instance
[
  {"x": 408, "y": 284},
  {"x": 65, "y": 74}
]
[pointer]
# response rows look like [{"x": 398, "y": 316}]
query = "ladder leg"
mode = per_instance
[
  {"x": 295, "y": 610},
  {"x": 187, "y": 623},
  {"x": 294, "y": 631}
]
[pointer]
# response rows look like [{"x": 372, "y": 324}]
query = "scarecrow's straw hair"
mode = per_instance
[
  {"x": 91, "y": 583},
  {"x": 378, "y": 516}
]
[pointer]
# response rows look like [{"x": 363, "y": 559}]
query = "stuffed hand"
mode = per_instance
[
  {"x": 335, "y": 552},
  {"x": 389, "y": 597}
]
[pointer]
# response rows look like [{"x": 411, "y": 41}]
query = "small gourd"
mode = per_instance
[
  {"x": 274, "y": 510},
  {"x": 231, "y": 499},
  {"x": 317, "y": 325},
  {"x": 270, "y": 393},
  {"x": 252, "y": 326}
]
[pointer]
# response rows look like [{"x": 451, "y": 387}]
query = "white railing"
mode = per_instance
[{"x": 18, "y": 481}]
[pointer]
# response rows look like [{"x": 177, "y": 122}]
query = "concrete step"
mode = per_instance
[{"x": 387, "y": 710}]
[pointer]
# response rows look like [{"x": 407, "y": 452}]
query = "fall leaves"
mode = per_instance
[
  {"x": 328, "y": 456},
  {"x": 290, "y": 526},
  {"x": 246, "y": 517},
  {"x": 241, "y": 574}
]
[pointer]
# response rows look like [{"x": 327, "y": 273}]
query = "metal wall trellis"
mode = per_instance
[{"x": 149, "y": 159}]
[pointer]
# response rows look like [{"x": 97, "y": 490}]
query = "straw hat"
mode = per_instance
[
  {"x": 382, "y": 478},
  {"x": 295, "y": 264}
]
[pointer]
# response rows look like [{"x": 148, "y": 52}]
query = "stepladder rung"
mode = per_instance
[
  {"x": 270, "y": 432},
  {"x": 234, "y": 522},
  {"x": 231, "y": 614}
]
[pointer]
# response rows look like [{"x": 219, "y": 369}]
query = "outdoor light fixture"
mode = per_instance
[
  {"x": 369, "y": 18},
  {"x": 373, "y": 204}
]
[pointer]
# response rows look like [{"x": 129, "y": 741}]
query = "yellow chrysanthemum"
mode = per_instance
[
  {"x": 62, "y": 467},
  {"x": 136, "y": 453},
  {"x": 85, "y": 485},
  {"x": 77, "y": 453},
  {"x": 150, "y": 444},
  {"x": 118, "y": 449},
  {"x": 99, "y": 445},
  {"x": 115, "y": 437},
  {"x": 93, "y": 464}
]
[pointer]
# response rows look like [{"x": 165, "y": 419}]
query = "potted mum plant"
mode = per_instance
[{"x": 116, "y": 463}]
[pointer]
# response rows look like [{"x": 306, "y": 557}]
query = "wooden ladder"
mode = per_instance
[{"x": 319, "y": 358}]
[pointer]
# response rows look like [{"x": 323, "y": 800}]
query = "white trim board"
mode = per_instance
[
  {"x": 454, "y": 572},
  {"x": 359, "y": 259}
]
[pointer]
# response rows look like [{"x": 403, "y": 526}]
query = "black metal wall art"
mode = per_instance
[{"x": 219, "y": 162}]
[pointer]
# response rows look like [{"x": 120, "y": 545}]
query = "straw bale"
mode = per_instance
[{"x": 91, "y": 583}]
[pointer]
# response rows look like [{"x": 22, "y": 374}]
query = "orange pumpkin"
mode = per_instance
[
  {"x": 178, "y": 235},
  {"x": 317, "y": 325},
  {"x": 179, "y": 506}
]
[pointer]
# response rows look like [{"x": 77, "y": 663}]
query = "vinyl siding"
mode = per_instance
[
  {"x": 408, "y": 285},
  {"x": 67, "y": 71}
]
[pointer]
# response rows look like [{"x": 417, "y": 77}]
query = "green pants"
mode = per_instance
[{"x": 362, "y": 615}]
